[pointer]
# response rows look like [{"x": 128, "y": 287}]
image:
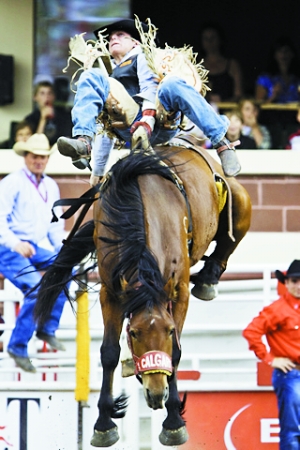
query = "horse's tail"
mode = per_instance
[{"x": 59, "y": 273}]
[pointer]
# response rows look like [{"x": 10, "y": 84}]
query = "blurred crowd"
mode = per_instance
[
  {"x": 265, "y": 117},
  {"x": 270, "y": 115},
  {"x": 50, "y": 116}
]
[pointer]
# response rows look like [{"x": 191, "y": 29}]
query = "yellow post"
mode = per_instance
[{"x": 83, "y": 348}]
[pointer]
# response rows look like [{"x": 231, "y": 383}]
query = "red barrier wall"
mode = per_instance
[{"x": 231, "y": 421}]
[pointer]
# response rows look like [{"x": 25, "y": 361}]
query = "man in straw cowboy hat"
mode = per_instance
[
  {"x": 26, "y": 199},
  {"x": 136, "y": 102},
  {"x": 280, "y": 323}
]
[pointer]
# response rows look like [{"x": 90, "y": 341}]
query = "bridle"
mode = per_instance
[{"x": 154, "y": 361}]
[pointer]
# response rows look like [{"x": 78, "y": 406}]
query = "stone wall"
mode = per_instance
[
  {"x": 272, "y": 179},
  {"x": 275, "y": 202}
]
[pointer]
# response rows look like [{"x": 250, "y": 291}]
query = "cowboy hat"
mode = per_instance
[
  {"x": 37, "y": 144},
  {"x": 293, "y": 271},
  {"x": 127, "y": 25}
]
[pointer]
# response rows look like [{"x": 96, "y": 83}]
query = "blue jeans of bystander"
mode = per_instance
[
  {"x": 287, "y": 389},
  {"x": 23, "y": 274}
]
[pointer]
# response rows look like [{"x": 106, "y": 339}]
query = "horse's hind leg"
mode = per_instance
[
  {"x": 105, "y": 430},
  {"x": 207, "y": 279}
]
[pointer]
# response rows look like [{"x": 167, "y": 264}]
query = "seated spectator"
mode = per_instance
[
  {"x": 23, "y": 131},
  {"x": 19, "y": 132},
  {"x": 51, "y": 120},
  {"x": 280, "y": 82},
  {"x": 294, "y": 138},
  {"x": 234, "y": 132},
  {"x": 251, "y": 127},
  {"x": 225, "y": 74}
]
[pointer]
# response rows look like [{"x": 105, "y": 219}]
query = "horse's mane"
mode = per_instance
[{"x": 122, "y": 204}]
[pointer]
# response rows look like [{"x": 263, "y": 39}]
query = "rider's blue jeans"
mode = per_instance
[
  {"x": 287, "y": 389},
  {"x": 174, "y": 94},
  {"x": 22, "y": 273}
]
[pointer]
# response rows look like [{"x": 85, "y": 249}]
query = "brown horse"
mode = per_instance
[{"x": 155, "y": 218}]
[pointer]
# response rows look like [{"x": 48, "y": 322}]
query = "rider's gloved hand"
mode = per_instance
[
  {"x": 95, "y": 179},
  {"x": 147, "y": 122}
]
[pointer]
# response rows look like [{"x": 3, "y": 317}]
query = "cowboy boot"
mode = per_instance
[
  {"x": 51, "y": 340},
  {"x": 23, "y": 362},
  {"x": 228, "y": 157},
  {"x": 79, "y": 149}
]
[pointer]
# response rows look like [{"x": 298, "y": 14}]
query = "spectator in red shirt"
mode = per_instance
[{"x": 280, "y": 324}]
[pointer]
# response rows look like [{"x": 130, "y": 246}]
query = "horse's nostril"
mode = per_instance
[
  {"x": 148, "y": 394},
  {"x": 157, "y": 401},
  {"x": 166, "y": 396}
]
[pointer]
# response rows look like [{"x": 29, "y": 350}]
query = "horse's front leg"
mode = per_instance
[
  {"x": 105, "y": 430},
  {"x": 174, "y": 431}
]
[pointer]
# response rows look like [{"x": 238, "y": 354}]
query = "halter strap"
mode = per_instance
[{"x": 154, "y": 361}]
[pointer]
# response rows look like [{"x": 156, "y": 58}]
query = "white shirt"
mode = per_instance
[{"x": 25, "y": 210}]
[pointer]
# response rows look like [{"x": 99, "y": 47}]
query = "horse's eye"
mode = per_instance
[
  {"x": 132, "y": 334},
  {"x": 171, "y": 332}
]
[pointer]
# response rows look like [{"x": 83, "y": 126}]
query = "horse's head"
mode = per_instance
[{"x": 150, "y": 338}]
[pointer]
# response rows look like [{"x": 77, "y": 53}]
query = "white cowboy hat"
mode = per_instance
[{"x": 37, "y": 144}]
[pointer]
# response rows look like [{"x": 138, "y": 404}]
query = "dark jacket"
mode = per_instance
[
  {"x": 60, "y": 125},
  {"x": 247, "y": 143}
]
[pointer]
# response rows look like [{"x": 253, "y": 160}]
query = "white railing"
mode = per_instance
[
  {"x": 207, "y": 327},
  {"x": 255, "y": 291}
]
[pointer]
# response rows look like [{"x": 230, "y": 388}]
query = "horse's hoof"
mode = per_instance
[
  {"x": 105, "y": 438},
  {"x": 173, "y": 437},
  {"x": 205, "y": 291}
]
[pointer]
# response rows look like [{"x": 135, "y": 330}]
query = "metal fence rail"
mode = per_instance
[{"x": 211, "y": 345}]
